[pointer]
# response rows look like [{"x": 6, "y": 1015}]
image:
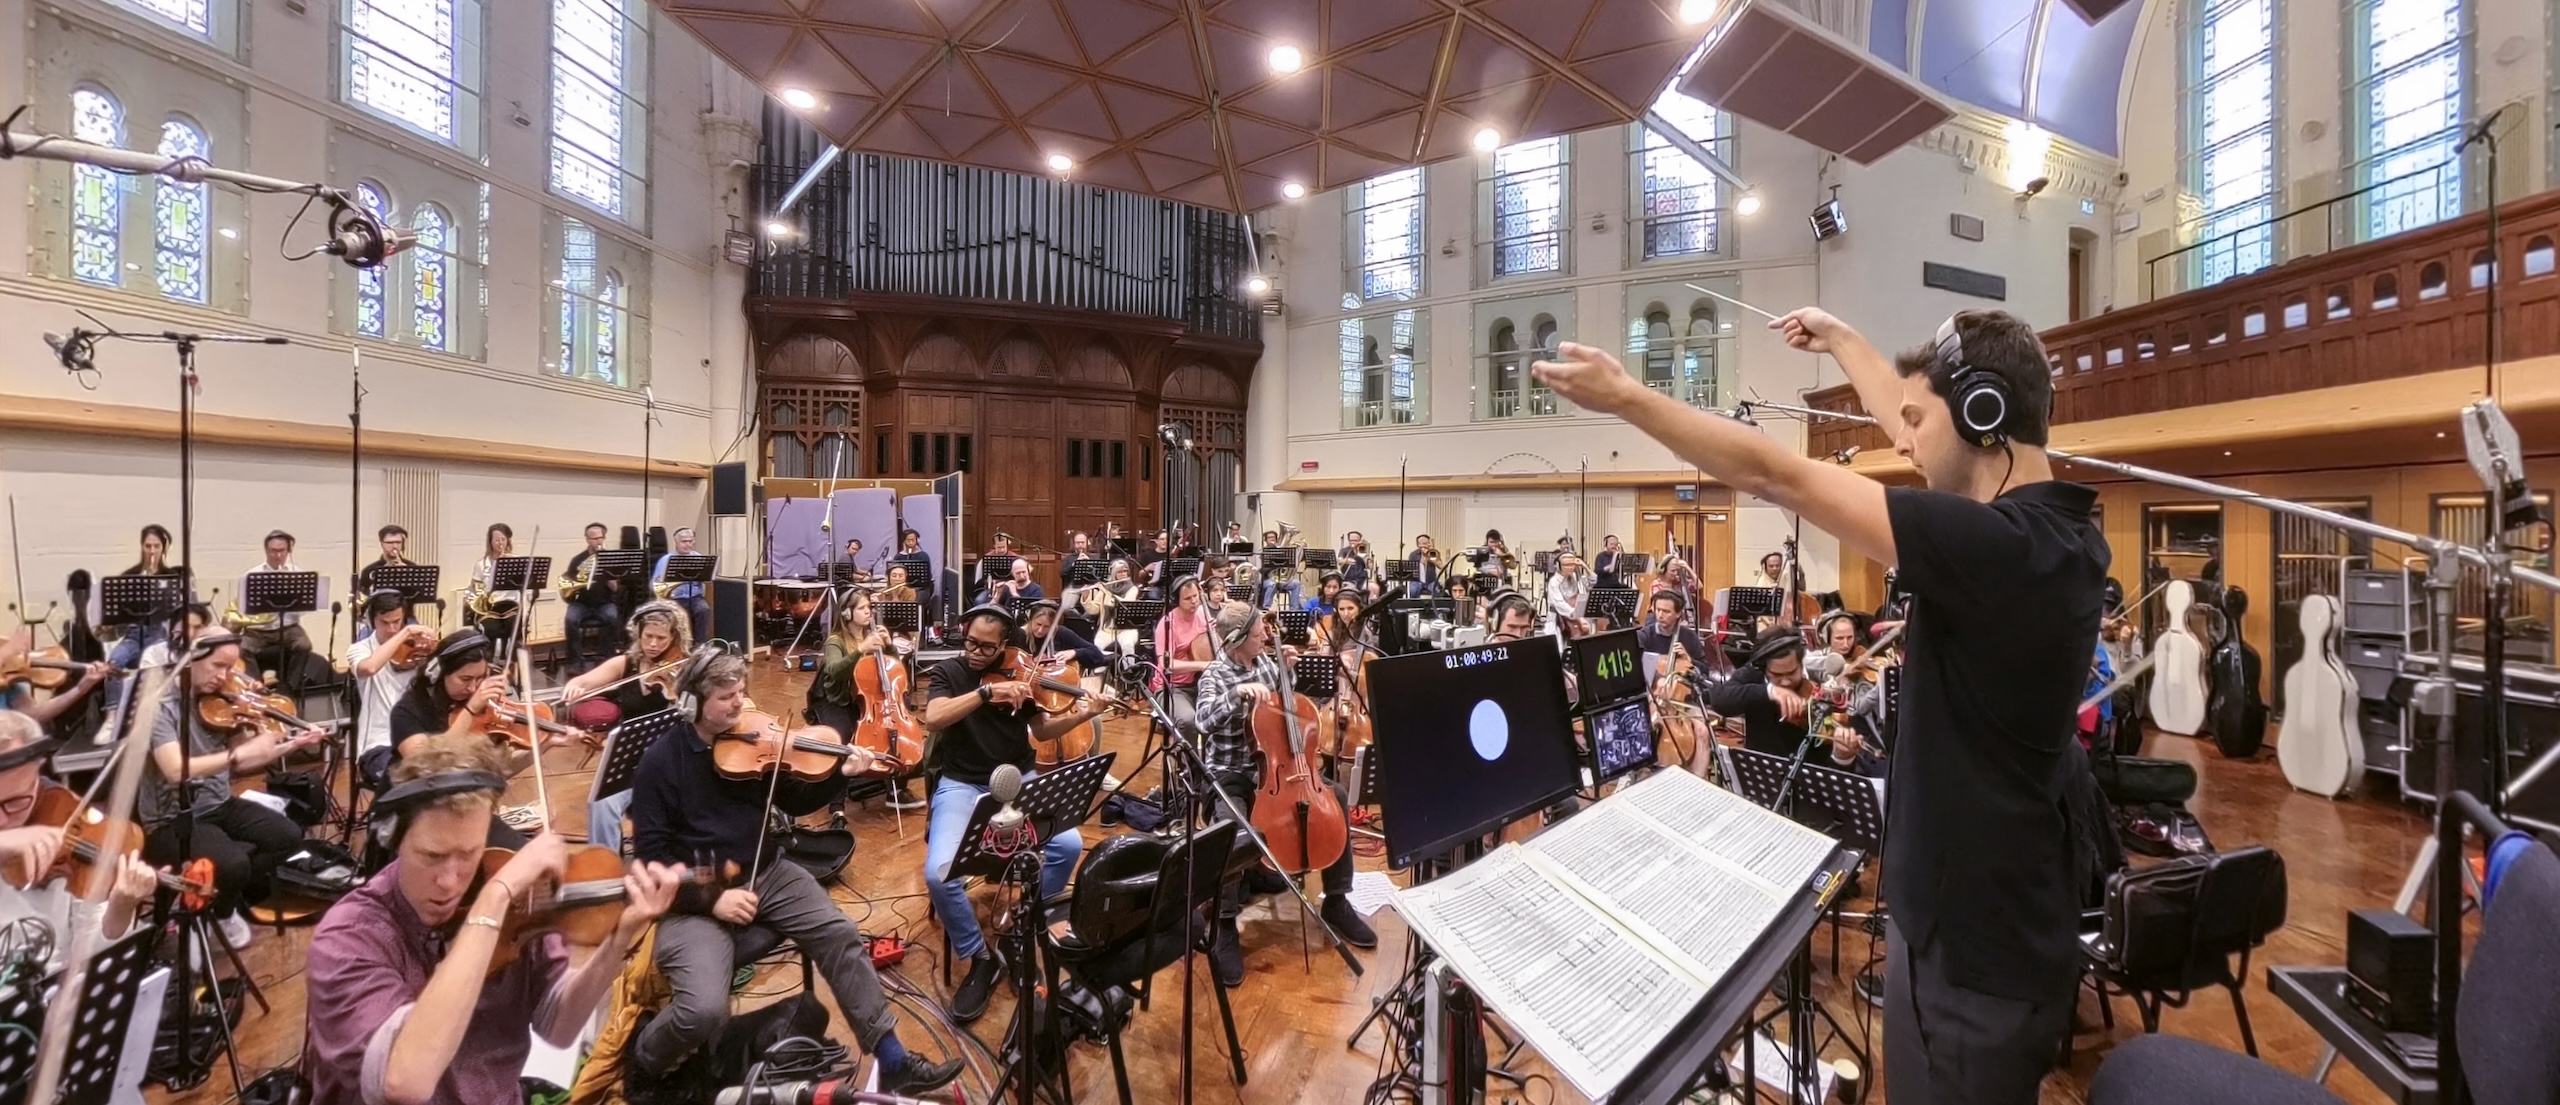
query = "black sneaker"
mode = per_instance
[
  {"x": 1263, "y": 880},
  {"x": 971, "y": 1002},
  {"x": 1226, "y": 954},
  {"x": 920, "y": 1075},
  {"x": 1870, "y": 987},
  {"x": 1347, "y": 923}
]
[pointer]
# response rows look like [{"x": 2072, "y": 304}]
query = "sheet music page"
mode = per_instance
[
  {"x": 1582, "y": 990},
  {"x": 1700, "y": 910},
  {"x": 1726, "y": 825}
]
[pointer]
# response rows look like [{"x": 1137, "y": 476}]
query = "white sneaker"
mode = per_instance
[
  {"x": 236, "y": 930},
  {"x": 1110, "y": 782}
]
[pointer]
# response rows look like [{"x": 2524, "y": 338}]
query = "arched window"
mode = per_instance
[
  {"x": 608, "y": 327},
  {"x": 431, "y": 279},
  {"x": 180, "y": 216},
  {"x": 2230, "y": 159},
  {"x": 1659, "y": 355},
  {"x": 577, "y": 274},
  {"x": 97, "y": 196},
  {"x": 1698, "y": 354},
  {"x": 372, "y": 319},
  {"x": 1505, "y": 347},
  {"x": 1544, "y": 329}
]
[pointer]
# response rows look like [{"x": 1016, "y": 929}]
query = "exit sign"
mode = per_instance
[{"x": 1687, "y": 492}]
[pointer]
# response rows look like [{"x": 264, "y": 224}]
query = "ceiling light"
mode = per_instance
[
  {"x": 1488, "y": 139},
  {"x": 1059, "y": 163},
  {"x": 1749, "y": 204},
  {"x": 2226, "y": 452},
  {"x": 800, "y": 99},
  {"x": 1696, "y": 11},
  {"x": 1257, "y": 285},
  {"x": 777, "y": 229},
  {"x": 227, "y": 232},
  {"x": 1286, "y": 59},
  {"x": 1294, "y": 190},
  {"x": 2439, "y": 433}
]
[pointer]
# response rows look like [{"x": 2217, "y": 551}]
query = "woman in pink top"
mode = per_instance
[{"x": 1183, "y": 624}]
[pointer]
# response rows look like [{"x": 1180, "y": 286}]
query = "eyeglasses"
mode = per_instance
[
  {"x": 968, "y": 644},
  {"x": 18, "y": 806}
]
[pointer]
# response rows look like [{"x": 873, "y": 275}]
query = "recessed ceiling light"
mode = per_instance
[
  {"x": 1696, "y": 11},
  {"x": 2439, "y": 433},
  {"x": 227, "y": 232},
  {"x": 1293, "y": 190},
  {"x": 1488, "y": 139},
  {"x": 1257, "y": 285},
  {"x": 2226, "y": 452},
  {"x": 1286, "y": 59},
  {"x": 799, "y": 98},
  {"x": 1059, "y": 163},
  {"x": 1749, "y": 204},
  {"x": 777, "y": 229}
]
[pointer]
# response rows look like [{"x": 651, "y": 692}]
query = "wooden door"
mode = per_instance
[{"x": 1018, "y": 483}]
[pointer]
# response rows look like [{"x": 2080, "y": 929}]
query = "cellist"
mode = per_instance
[
  {"x": 858, "y": 636},
  {"x": 1247, "y": 672}
]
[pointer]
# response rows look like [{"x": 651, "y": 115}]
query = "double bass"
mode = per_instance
[{"x": 1294, "y": 809}]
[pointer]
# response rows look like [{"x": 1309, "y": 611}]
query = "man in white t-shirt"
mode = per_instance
[{"x": 379, "y": 680}]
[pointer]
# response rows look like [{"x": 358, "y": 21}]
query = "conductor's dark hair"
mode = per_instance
[{"x": 2002, "y": 343}]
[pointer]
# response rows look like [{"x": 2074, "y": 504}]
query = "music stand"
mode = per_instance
[
  {"x": 919, "y": 568},
  {"x": 1754, "y": 602},
  {"x": 1318, "y": 675},
  {"x": 1364, "y": 777},
  {"x": 1240, "y": 592},
  {"x": 1178, "y": 569},
  {"x": 1139, "y": 614},
  {"x": 619, "y": 564},
  {"x": 1052, "y": 802},
  {"x": 1543, "y": 562},
  {"x": 1293, "y": 626},
  {"x": 694, "y": 567},
  {"x": 135, "y": 600},
  {"x": 279, "y": 592},
  {"x": 1087, "y": 572},
  {"x": 1758, "y": 776},
  {"x": 22, "y": 1006},
  {"x": 995, "y": 566},
  {"x": 519, "y": 575},
  {"x": 109, "y": 993},
  {"x": 623, "y": 746},
  {"x": 1279, "y": 559},
  {"x": 900, "y": 617},
  {"x": 1634, "y": 564},
  {"x": 1617, "y": 603},
  {"x": 1889, "y": 707},
  {"x": 1323, "y": 560},
  {"x": 1398, "y": 569},
  {"x": 416, "y": 583}
]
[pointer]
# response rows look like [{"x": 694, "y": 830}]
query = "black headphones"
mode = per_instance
[
  {"x": 454, "y": 646},
  {"x": 391, "y": 811},
  {"x": 1977, "y": 397},
  {"x": 1775, "y": 647}
]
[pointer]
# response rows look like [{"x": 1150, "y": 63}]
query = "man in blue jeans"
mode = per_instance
[{"x": 979, "y": 721}]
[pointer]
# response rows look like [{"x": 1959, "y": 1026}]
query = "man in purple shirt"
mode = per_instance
[{"x": 404, "y": 1009}]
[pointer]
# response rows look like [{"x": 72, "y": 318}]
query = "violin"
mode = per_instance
[
  {"x": 241, "y": 702},
  {"x": 507, "y": 721},
  {"x": 1055, "y": 689},
  {"x": 584, "y": 907},
  {"x": 1295, "y": 808},
  {"x": 757, "y": 745},
  {"x": 47, "y": 668},
  {"x": 84, "y": 861},
  {"x": 887, "y": 730},
  {"x": 415, "y": 650}
]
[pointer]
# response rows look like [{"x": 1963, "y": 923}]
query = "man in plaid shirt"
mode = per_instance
[{"x": 1248, "y": 673}]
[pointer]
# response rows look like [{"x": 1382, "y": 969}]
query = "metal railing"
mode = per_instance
[
  {"x": 2377, "y": 210},
  {"x": 1379, "y": 412}
]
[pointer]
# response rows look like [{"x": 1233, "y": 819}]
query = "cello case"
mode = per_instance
[
  {"x": 2177, "y": 678},
  {"x": 2322, "y": 748},
  {"x": 2239, "y": 714}
]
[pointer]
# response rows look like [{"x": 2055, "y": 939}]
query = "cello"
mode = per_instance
[
  {"x": 886, "y": 728},
  {"x": 1294, "y": 808}
]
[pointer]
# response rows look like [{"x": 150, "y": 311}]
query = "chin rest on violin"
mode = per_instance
[{"x": 584, "y": 907}]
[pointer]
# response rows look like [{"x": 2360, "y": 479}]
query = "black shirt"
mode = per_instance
[
  {"x": 683, "y": 811},
  {"x": 635, "y": 700},
  {"x": 2003, "y": 615},
  {"x": 1080, "y": 646},
  {"x": 971, "y": 748},
  {"x": 1764, "y": 729},
  {"x": 1651, "y": 638},
  {"x": 411, "y": 716},
  {"x": 1604, "y": 569}
]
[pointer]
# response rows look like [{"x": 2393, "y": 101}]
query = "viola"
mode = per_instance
[
  {"x": 84, "y": 859},
  {"x": 1295, "y": 808},
  {"x": 584, "y": 907},
  {"x": 758, "y": 744},
  {"x": 48, "y": 668},
  {"x": 510, "y": 722},
  {"x": 886, "y": 728}
]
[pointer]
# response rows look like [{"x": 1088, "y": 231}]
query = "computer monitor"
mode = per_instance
[
  {"x": 1607, "y": 668},
  {"x": 1469, "y": 740},
  {"x": 1620, "y": 738}
]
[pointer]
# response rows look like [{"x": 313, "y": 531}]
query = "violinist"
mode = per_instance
[
  {"x": 20, "y": 696},
  {"x": 1248, "y": 672},
  {"x": 28, "y": 847},
  {"x": 981, "y": 716},
  {"x": 594, "y": 604},
  {"x": 1048, "y": 639},
  {"x": 404, "y": 1006},
  {"x": 858, "y": 636},
  {"x": 154, "y": 562},
  {"x": 689, "y": 595},
  {"x": 660, "y": 634},
  {"x": 192, "y": 765},
  {"x": 384, "y": 664},
  {"x": 1568, "y": 595},
  {"x": 684, "y": 807},
  {"x": 1177, "y": 634},
  {"x": 1769, "y": 694}
]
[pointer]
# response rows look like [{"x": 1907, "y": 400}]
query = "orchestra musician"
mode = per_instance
[
  {"x": 270, "y": 640},
  {"x": 1509, "y": 616},
  {"x": 1604, "y": 566},
  {"x": 1246, "y": 673},
  {"x": 982, "y": 719},
  {"x": 853, "y": 560},
  {"x": 1678, "y": 578},
  {"x": 689, "y": 595},
  {"x": 456, "y": 684},
  {"x": 660, "y": 634},
  {"x": 1354, "y": 558},
  {"x": 589, "y": 601},
  {"x": 1236, "y": 543},
  {"x": 404, "y": 1006},
  {"x": 1773, "y": 572},
  {"x": 1327, "y": 587},
  {"x": 1159, "y": 550},
  {"x": 1497, "y": 564},
  {"x": 1568, "y": 595},
  {"x": 897, "y": 589},
  {"x": 1666, "y": 630},
  {"x": 858, "y": 636},
  {"x": 1002, "y": 546},
  {"x": 911, "y": 546},
  {"x": 154, "y": 562},
  {"x": 1016, "y": 587},
  {"x": 20, "y": 696},
  {"x": 1102, "y": 605},
  {"x": 32, "y": 849},
  {"x": 1424, "y": 562},
  {"x": 1855, "y": 746},
  {"x": 1334, "y": 632},
  {"x": 683, "y": 807},
  {"x": 192, "y": 766},
  {"x": 394, "y": 541},
  {"x": 1769, "y": 694},
  {"x": 382, "y": 679},
  {"x": 492, "y": 614},
  {"x": 1184, "y": 622},
  {"x": 2005, "y": 566}
]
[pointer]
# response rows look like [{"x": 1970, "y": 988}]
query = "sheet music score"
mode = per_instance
[
  {"x": 1582, "y": 990},
  {"x": 1597, "y": 936}
]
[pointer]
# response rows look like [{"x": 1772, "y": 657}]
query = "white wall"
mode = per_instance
[
  {"x": 1897, "y": 213},
  {"x": 81, "y": 500}
]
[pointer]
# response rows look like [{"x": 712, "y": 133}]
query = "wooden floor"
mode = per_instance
[{"x": 1299, "y": 1003}]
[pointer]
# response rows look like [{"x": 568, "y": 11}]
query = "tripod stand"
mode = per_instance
[{"x": 1859, "y": 824}]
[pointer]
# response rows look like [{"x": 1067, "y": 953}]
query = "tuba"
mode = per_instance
[{"x": 1290, "y": 536}]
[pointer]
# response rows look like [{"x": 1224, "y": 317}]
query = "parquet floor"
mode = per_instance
[{"x": 1299, "y": 1002}]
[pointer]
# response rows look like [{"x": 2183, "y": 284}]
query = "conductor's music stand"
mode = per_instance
[
  {"x": 1054, "y": 801},
  {"x": 139, "y": 600},
  {"x": 1318, "y": 675},
  {"x": 1618, "y": 604},
  {"x": 1293, "y": 626}
]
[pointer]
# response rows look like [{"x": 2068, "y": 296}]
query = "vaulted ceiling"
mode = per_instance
[{"x": 1180, "y": 98}]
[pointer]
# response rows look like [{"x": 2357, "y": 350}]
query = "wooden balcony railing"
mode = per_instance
[{"x": 2406, "y": 305}]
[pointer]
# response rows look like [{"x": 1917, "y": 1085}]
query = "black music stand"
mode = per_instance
[
  {"x": 696, "y": 567},
  {"x": 623, "y": 746},
  {"x": 1322, "y": 560},
  {"x": 109, "y": 993},
  {"x": 138, "y": 600},
  {"x": 995, "y": 566},
  {"x": 624, "y": 565},
  {"x": 1754, "y": 602},
  {"x": 1395, "y": 570},
  {"x": 1786, "y": 785},
  {"x": 1051, "y": 803},
  {"x": 1087, "y": 572},
  {"x": 1293, "y": 626},
  {"x": 1634, "y": 564},
  {"x": 1617, "y": 603},
  {"x": 279, "y": 592},
  {"x": 919, "y": 570},
  {"x": 1318, "y": 675},
  {"x": 1139, "y": 614},
  {"x": 1543, "y": 562},
  {"x": 416, "y": 583},
  {"x": 1241, "y": 592},
  {"x": 1178, "y": 569},
  {"x": 1279, "y": 558},
  {"x": 21, "y": 1006},
  {"x": 900, "y": 617},
  {"x": 522, "y": 578}
]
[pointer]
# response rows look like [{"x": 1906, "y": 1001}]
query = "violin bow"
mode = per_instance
[{"x": 533, "y": 730}]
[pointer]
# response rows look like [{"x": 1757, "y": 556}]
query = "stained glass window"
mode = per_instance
[
  {"x": 608, "y": 322},
  {"x": 1528, "y": 207},
  {"x": 431, "y": 278},
  {"x": 1676, "y": 196},
  {"x": 97, "y": 196},
  {"x": 371, "y": 312},
  {"x": 1386, "y": 229},
  {"x": 194, "y": 16},
  {"x": 403, "y": 61},
  {"x": 577, "y": 282},
  {"x": 180, "y": 217},
  {"x": 2409, "y": 95},
  {"x": 2231, "y": 136},
  {"x": 595, "y": 105}
]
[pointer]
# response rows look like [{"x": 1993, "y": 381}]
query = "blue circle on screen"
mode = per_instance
[{"x": 1489, "y": 729}]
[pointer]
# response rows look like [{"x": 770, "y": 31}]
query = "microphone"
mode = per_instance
[
  {"x": 362, "y": 239},
  {"x": 77, "y": 352},
  {"x": 1004, "y": 786},
  {"x": 1823, "y": 667}
]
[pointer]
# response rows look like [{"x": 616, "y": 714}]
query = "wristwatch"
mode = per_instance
[{"x": 986, "y": 695}]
